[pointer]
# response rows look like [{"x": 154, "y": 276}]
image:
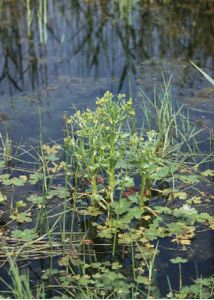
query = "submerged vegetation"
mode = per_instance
[{"x": 99, "y": 204}]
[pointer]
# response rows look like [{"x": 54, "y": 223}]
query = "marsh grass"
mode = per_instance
[
  {"x": 172, "y": 122},
  {"x": 207, "y": 76},
  {"x": 94, "y": 200},
  {"x": 6, "y": 147},
  {"x": 20, "y": 283}
]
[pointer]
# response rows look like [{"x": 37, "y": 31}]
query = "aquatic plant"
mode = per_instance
[
  {"x": 104, "y": 197},
  {"x": 207, "y": 76},
  {"x": 6, "y": 147},
  {"x": 203, "y": 288},
  {"x": 20, "y": 287}
]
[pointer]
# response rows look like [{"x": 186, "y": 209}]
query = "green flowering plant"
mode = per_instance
[{"x": 101, "y": 143}]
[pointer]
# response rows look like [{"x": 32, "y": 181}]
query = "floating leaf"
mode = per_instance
[
  {"x": 116, "y": 265},
  {"x": 185, "y": 237},
  {"x": 105, "y": 232},
  {"x": 185, "y": 242},
  {"x": 135, "y": 212},
  {"x": 51, "y": 158},
  {"x": 91, "y": 210},
  {"x": 179, "y": 260},
  {"x": 146, "y": 218},
  {"x": 21, "y": 217},
  {"x": 194, "y": 200},
  {"x": 19, "y": 181},
  {"x": 207, "y": 173},
  {"x": 161, "y": 172},
  {"x": 51, "y": 150},
  {"x": 211, "y": 224},
  {"x": 35, "y": 199},
  {"x": 20, "y": 204},
  {"x": 190, "y": 179},
  {"x": 5, "y": 179},
  {"x": 180, "y": 195},
  {"x": 34, "y": 178},
  {"x": 24, "y": 235},
  {"x": 49, "y": 272},
  {"x": 61, "y": 192},
  {"x": 142, "y": 279}
]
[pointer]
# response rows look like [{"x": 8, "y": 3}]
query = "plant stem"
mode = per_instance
[
  {"x": 112, "y": 165},
  {"x": 180, "y": 276}
]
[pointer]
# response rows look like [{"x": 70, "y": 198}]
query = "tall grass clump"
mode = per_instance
[
  {"x": 19, "y": 286},
  {"x": 176, "y": 133}
]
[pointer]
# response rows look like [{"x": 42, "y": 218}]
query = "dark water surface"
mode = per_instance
[{"x": 80, "y": 49}]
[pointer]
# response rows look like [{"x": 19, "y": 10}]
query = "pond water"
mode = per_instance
[
  {"x": 83, "y": 48},
  {"x": 71, "y": 52}
]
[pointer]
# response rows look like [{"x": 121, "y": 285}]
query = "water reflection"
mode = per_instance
[
  {"x": 63, "y": 54},
  {"x": 40, "y": 40}
]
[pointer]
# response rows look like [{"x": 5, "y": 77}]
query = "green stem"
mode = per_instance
[
  {"x": 115, "y": 237},
  {"x": 93, "y": 187},
  {"x": 112, "y": 165},
  {"x": 92, "y": 171},
  {"x": 142, "y": 191},
  {"x": 133, "y": 261},
  {"x": 180, "y": 277}
]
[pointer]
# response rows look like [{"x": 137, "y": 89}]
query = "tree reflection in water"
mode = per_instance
[{"x": 39, "y": 42}]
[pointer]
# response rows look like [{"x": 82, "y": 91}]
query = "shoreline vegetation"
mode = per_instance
[{"x": 93, "y": 209}]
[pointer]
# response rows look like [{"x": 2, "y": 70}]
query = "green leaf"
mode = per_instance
[
  {"x": 35, "y": 199},
  {"x": 190, "y": 179},
  {"x": 19, "y": 181},
  {"x": 20, "y": 204},
  {"x": 134, "y": 198},
  {"x": 211, "y": 224},
  {"x": 49, "y": 272},
  {"x": 180, "y": 195},
  {"x": 34, "y": 178},
  {"x": 207, "y": 173},
  {"x": 128, "y": 181},
  {"x": 121, "y": 207},
  {"x": 142, "y": 279},
  {"x": 22, "y": 217},
  {"x": 116, "y": 265},
  {"x": 5, "y": 179},
  {"x": 61, "y": 192},
  {"x": 122, "y": 164},
  {"x": 24, "y": 235},
  {"x": 161, "y": 172},
  {"x": 210, "y": 79},
  {"x": 51, "y": 157},
  {"x": 135, "y": 212},
  {"x": 106, "y": 234},
  {"x": 179, "y": 260}
]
